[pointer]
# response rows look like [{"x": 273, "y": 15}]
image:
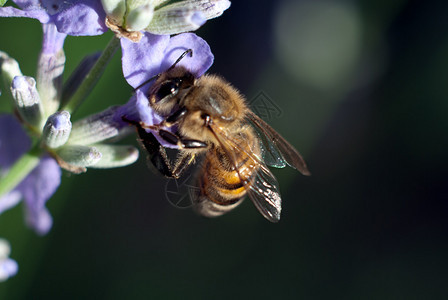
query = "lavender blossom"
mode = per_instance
[
  {"x": 37, "y": 187},
  {"x": 8, "y": 266},
  {"x": 128, "y": 17},
  {"x": 151, "y": 56},
  {"x": 125, "y": 17},
  {"x": 73, "y": 147},
  {"x": 78, "y": 18},
  {"x": 31, "y": 161}
]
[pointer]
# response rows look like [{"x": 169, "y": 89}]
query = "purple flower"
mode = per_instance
[
  {"x": 8, "y": 266},
  {"x": 82, "y": 17},
  {"x": 128, "y": 18},
  {"x": 37, "y": 187},
  {"x": 155, "y": 54}
]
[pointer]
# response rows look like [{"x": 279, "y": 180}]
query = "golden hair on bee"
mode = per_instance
[{"x": 207, "y": 117}]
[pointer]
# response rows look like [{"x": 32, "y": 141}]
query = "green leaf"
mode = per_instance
[{"x": 2, "y": 2}]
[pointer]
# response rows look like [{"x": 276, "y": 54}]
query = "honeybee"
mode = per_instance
[{"x": 210, "y": 117}]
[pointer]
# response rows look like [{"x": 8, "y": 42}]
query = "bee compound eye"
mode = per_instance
[{"x": 168, "y": 88}]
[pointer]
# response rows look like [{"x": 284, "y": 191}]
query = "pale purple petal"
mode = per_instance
[
  {"x": 13, "y": 141},
  {"x": 149, "y": 117},
  {"x": 52, "y": 41},
  {"x": 127, "y": 111},
  {"x": 197, "y": 63},
  {"x": 85, "y": 17},
  {"x": 28, "y": 4},
  {"x": 8, "y": 268},
  {"x": 9, "y": 11},
  {"x": 142, "y": 60},
  {"x": 37, "y": 188},
  {"x": 137, "y": 109},
  {"x": 155, "y": 54},
  {"x": 9, "y": 200}
]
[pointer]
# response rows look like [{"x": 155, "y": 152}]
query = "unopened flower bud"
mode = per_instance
[
  {"x": 97, "y": 128},
  {"x": 138, "y": 19},
  {"x": 9, "y": 68},
  {"x": 57, "y": 130},
  {"x": 27, "y": 100},
  {"x": 79, "y": 156},
  {"x": 116, "y": 156},
  {"x": 115, "y": 9}
]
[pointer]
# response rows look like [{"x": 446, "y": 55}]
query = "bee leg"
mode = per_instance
[
  {"x": 157, "y": 156},
  {"x": 174, "y": 117},
  {"x": 182, "y": 143},
  {"x": 184, "y": 160}
]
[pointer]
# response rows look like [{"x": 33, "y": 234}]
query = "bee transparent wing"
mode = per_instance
[
  {"x": 271, "y": 156},
  {"x": 278, "y": 152},
  {"x": 265, "y": 194},
  {"x": 263, "y": 189}
]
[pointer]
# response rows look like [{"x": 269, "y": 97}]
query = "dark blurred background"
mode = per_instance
[{"x": 359, "y": 87}]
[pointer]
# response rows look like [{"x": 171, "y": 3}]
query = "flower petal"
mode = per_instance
[
  {"x": 9, "y": 200},
  {"x": 37, "y": 188},
  {"x": 85, "y": 17},
  {"x": 8, "y": 268},
  {"x": 149, "y": 117},
  {"x": 154, "y": 54},
  {"x": 9, "y": 11},
  {"x": 142, "y": 60},
  {"x": 53, "y": 40},
  {"x": 28, "y": 4},
  {"x": 13, "y": 141},
  {"x": 197, "y": 63}
]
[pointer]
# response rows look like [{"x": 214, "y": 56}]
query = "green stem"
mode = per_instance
[
  {"x": 20, "y": 169},
  {"x": 92, "y": 77}
]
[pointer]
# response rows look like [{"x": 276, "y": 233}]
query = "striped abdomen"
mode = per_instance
[{"x": 221, "y": 186}]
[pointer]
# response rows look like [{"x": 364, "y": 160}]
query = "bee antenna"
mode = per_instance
[
  {"x": 147, "y": 81},
  {"x": 189, "y": 51}
]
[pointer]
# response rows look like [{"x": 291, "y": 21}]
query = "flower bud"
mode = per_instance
[
  {"x": 57, "y": 129},
  {"x": 79, "y": 156},
  {"x": 27, "y": 100},
  {"x": 138, "y": 19},
  {"x": 97, "y": 128},
  {"x": 49, "y": 79},
  {"x": 116, "y": 156},
  {"x": 170, "y": 20},
  {"x": 115, "y": 9},
  {"x": 185, "y": 16},
  {"x": 9, "y": 68}
]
